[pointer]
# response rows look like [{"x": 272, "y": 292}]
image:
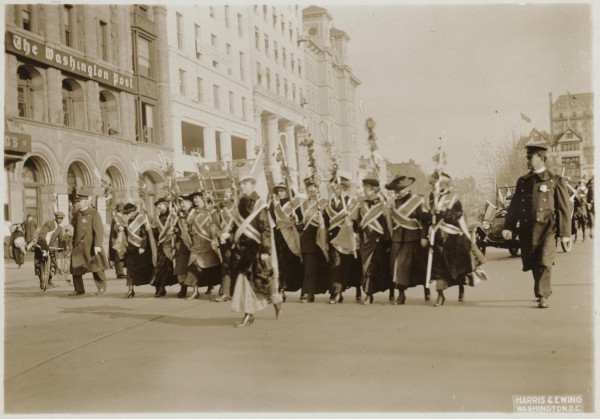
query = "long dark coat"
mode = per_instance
[
  {"x": 291, "y": 270},
  {"x": 88, "y": 233},
  {"x": 163, "y": 271},
  {"x": 542, "y": 208},
  {"x": 245, "y": 256},
  {"x": 374, "y": 251},
  {"x": 315, "y": 280},
  {"x": 454, "y": 255},
  {"x": 139, "y": 266}
]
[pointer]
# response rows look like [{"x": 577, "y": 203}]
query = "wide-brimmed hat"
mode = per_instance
[
  {"x": 129, "y": 208},
  {"x": 161, "y": 200},
  {"x": 119, "y": 206},
  {"x": 399, "y": 183}
]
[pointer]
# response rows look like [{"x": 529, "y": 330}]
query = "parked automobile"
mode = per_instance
[{"x": 489, "y": 232}]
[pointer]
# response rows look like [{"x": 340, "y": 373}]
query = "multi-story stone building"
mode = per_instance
[
  {"x": 86, "y": 93},
  {"x": 211, "y": 84},
  {"x": 332, "y": 103},
  {"x": 277, "y": 63},
  {"x": 572, "y": 132}
]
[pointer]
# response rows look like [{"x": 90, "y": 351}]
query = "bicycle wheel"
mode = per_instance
[{"x": 45, "y": 273}]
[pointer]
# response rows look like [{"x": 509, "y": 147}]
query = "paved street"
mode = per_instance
[{"x": 104, "y": 354}]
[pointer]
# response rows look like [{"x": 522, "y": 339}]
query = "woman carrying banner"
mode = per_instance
[
  {"x": 255, "y": 286},
  {"x": 138, "y": 257},
  {"x": 204, "y": 265}
]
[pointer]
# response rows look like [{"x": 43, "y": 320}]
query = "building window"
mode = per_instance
[
  {"x": 258, "y": 73},
  {"x": 192, "y": 138},
  {"x": 274, "y": 21},
  {"x": 215, "y": 64},
  {"x": 277, "y": 84},
  {"x": 256, "y": 37},
  {"x": 67, "y": 24},
  {"x": 181, "y": 82},
  {"x": 26, "y": 17},
  {"x": 211, "y": 10},
  {"x": 25, "y": 93},
  {"x": 200, "y": 91},
  {"x": 266, "y": 45},
  {"x": 292, "y": 63},
  {"x": 68, "y": 104},
  {"x": 109, "y": 116},
  {"x": 213, "y": 40},
  {"x": 218, "y": 145},
  {"x": 240, "y": 24},
  {"x": 265, "y": 13},
  {"x": 216, "y": 96},
  {"x": 276, "y": 51},
  {"x": 147, "y": 121},
  {"x": 282, "y": 25},
  {"x": 293, "y": 93},
  {"x": 244, "y": 114},
  {"x": 285, "y": 88},
  {"x": 103, "y": 40},
  {"x": 268, "y": 78},
  {"x": 283, "y": 58},
  {"x": 256, "y": 9},
  {"x": 299, "y": 68},
  {"x": 291, "y": 30},
  {"x": 179, "y": 31},
  {"x": 242, "y": 76},
  {"x": 198, "y": 38},
  {"x": 226, "y": 16},
  {"x": 238, "y": 148},
  {"x": 72, "y": 104},
  {"x": 572, "y": 166},
  {"x": 145, "y": 57},
  {"x": 231, "y": 107}
]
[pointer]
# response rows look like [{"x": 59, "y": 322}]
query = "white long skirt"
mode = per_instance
[{"x": 245, "y": 299}]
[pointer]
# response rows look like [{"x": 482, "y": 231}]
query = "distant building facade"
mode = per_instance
[
  {"x": 86, "y": 93},
  {"x": 572, "y": 134},
  {"x": 331, "y": 99}
]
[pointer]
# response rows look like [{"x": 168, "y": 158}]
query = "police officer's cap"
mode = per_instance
[{"x": 80, "y": 197}]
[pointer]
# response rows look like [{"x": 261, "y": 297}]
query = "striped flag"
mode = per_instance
[{"x": 525, "y": 117}]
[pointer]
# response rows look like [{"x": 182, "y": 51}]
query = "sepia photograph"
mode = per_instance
[{"x": 299, "y": 208}]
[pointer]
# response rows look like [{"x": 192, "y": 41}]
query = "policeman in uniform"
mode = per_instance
[
  {"x": 87, "y": 254},
  {"x": 539, "y": 198}
]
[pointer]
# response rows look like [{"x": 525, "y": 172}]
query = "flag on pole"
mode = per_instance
[{"x": 525, "y": 117}]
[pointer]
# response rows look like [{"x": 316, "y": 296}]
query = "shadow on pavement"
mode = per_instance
[{"x": 167, "y": 319}]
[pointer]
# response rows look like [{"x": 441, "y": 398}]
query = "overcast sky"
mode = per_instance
[{"x": 466, "y": 70}]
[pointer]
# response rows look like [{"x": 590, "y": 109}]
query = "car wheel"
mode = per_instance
[{"x": 514, "y": 251}]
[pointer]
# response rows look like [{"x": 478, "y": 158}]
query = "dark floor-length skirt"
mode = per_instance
[
  {"x": 316, "y": 280},
  {"x": 376, "y": 276},
  {"x": 164, "y": 273},
  {"x": 139, "y": 267},
  {"x": 340, "y": 268},
  {"x": 291, "y": 271}
]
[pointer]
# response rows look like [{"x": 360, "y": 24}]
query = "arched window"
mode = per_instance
[
  {"x": 72, "y": 104},
  {"x": 25, "y": 93},
  {"x": 30, "y": 93},
  {"x": 109, "y": 117}
]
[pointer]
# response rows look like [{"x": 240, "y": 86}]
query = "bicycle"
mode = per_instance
[{"x": 53, "y": 262}]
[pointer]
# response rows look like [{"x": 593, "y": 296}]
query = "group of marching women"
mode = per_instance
[{"x": 257, "y": 250}]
